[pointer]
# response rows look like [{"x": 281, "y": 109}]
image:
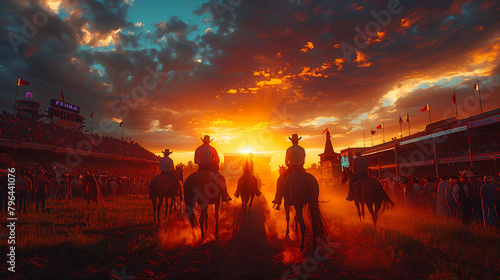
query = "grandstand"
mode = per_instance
[
  {"x": 443, "y": 148},
  {"x": 31, "y": 140}
]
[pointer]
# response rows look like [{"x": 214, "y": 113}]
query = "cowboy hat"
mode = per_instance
[
  {"x": 206, "y": 139},
  {"x": 488, "y": 179},
  {"x": 466, "y": 173},
  {"x": 167, "y": 151},
  {"x": 295, "y": 138}
]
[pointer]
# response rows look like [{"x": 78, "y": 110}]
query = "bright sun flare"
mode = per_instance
[{"x": 247, "y": 150}]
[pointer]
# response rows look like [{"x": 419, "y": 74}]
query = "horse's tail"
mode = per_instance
[
  {"x": 317, "y": 221},
  {"x": 387, "y": 203},
  {"x": 151, "y": 187},
  {"x": 189, "y": 202}
]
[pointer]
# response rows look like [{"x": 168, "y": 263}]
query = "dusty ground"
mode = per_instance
[{"x": 249, "y": 247}]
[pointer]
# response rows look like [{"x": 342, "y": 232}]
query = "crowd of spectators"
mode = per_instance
[
  {"x": 460, "y": 197},
  {"x": 20, "y": 129},
  {"x": 46, "y": 183}
]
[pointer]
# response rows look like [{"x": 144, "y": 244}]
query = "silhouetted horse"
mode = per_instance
[
  {"x": 161, "y": 187},
  {"x": 300, "y": 189},
  {"x": 347, "y": 174},
  {"x": 247, "y": 187},
  {"x": 90, "y": 188},
  {"x": 201, "y": 188},
  {"x": 370, "y": 193}
]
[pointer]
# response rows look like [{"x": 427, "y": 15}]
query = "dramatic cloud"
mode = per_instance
[{"x": 254, "y": 73}]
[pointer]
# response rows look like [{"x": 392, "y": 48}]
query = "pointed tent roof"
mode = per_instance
[
  {"x": 328, "y": 154},
  {"x": 328, "y": 146}
]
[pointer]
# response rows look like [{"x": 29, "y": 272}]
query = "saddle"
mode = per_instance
[
  {"x": 215, "y": 177},
  {"x": 170, "y": 176},
  {"x": 356, "y": 184}
]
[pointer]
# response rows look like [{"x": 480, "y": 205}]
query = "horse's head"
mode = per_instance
[
  {"x": 178, "y": 171},
  {"x": 282, "y": 169}
]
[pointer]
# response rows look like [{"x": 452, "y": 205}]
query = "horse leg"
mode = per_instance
[
  {"x": 363, "y": 210},
  {"x": 287, "y": 213},
  {"x": 372, "y": 212},
  {"x": 359, "y": 210},
  {"x": 154, "y": 208},
  {"x": 250, "y": 205},
  {"x": 217, "y": 220},
  {"x": 296, "y": 221},
  {"x": 377, "y": 209},
  {"x": 180, "y": 205},
  {"x": 300, "y": 218},
  {"x": 172, "y": 201},
  {"x": 203, "y": 218},
  {"x": 158, "y": 209}
]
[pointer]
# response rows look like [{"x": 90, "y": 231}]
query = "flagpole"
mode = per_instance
[
  {"x": 383, "y": 132},
  {"x": 480, "y": 102},
  {"x": 401, "y": 128},
  {"x": 408, "y": 121},
  {"x": 372, "y": 137},
  {"x": 456, "y": 109},
  {"x": 122, "y": 131},
  {"x": 15, "y": 97},
  {"x": 364, "y": 143},
  {"x": 409, "y": 133},
  {"x": 429, "y": 105},
  {"x": 92, "y": 131}
]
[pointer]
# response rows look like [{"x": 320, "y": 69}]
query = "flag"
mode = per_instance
[
  {"x": 407, "y": 117},
  {"x": 476, "y": 86},
  {"x": 426, "y": 108},
  {"x": 324, "y": 131},
  {"x": 380, "y": 126},
  {"x": 373, "y": 132},
  {"x": 400, "y": 119},
  {"x": 92, "y": 114},
  {"x": 62, "y": 95},
  {"x": 21, "y": 82},
  {"x": 454, "y": 98},
  {"x": 121, "y": 123}
]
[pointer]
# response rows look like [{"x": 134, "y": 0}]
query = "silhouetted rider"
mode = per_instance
[
  {"x": 294, "y": 160},
  {"x": 360, "y": 168},
  {"x": 248, "y": 168},
  {"x": 167, "y": 169},
  {"x": 207, "y": 159}
]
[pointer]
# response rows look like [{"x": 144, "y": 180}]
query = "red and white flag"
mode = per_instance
[
  {"x": 407, "y": 117},
  {"x": 21, "y": 82},
  {"x": 121, "y": 123},
  {"x": 380, "y": 126},
  {"x": 400, "y": 119},
  {"x": 324, "y": 131},
  {"x": 92, "y": 114},
  {"x": 373, "y": 132},
  {"x": 426, "y": 108},
  {"x": 476, "y": 86},
  {"x": 454, "y": 98},
  {"x": 62, "y": 95}
]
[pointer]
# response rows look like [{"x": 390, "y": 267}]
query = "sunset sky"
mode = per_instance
[{"x": 251, "y": 73}]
